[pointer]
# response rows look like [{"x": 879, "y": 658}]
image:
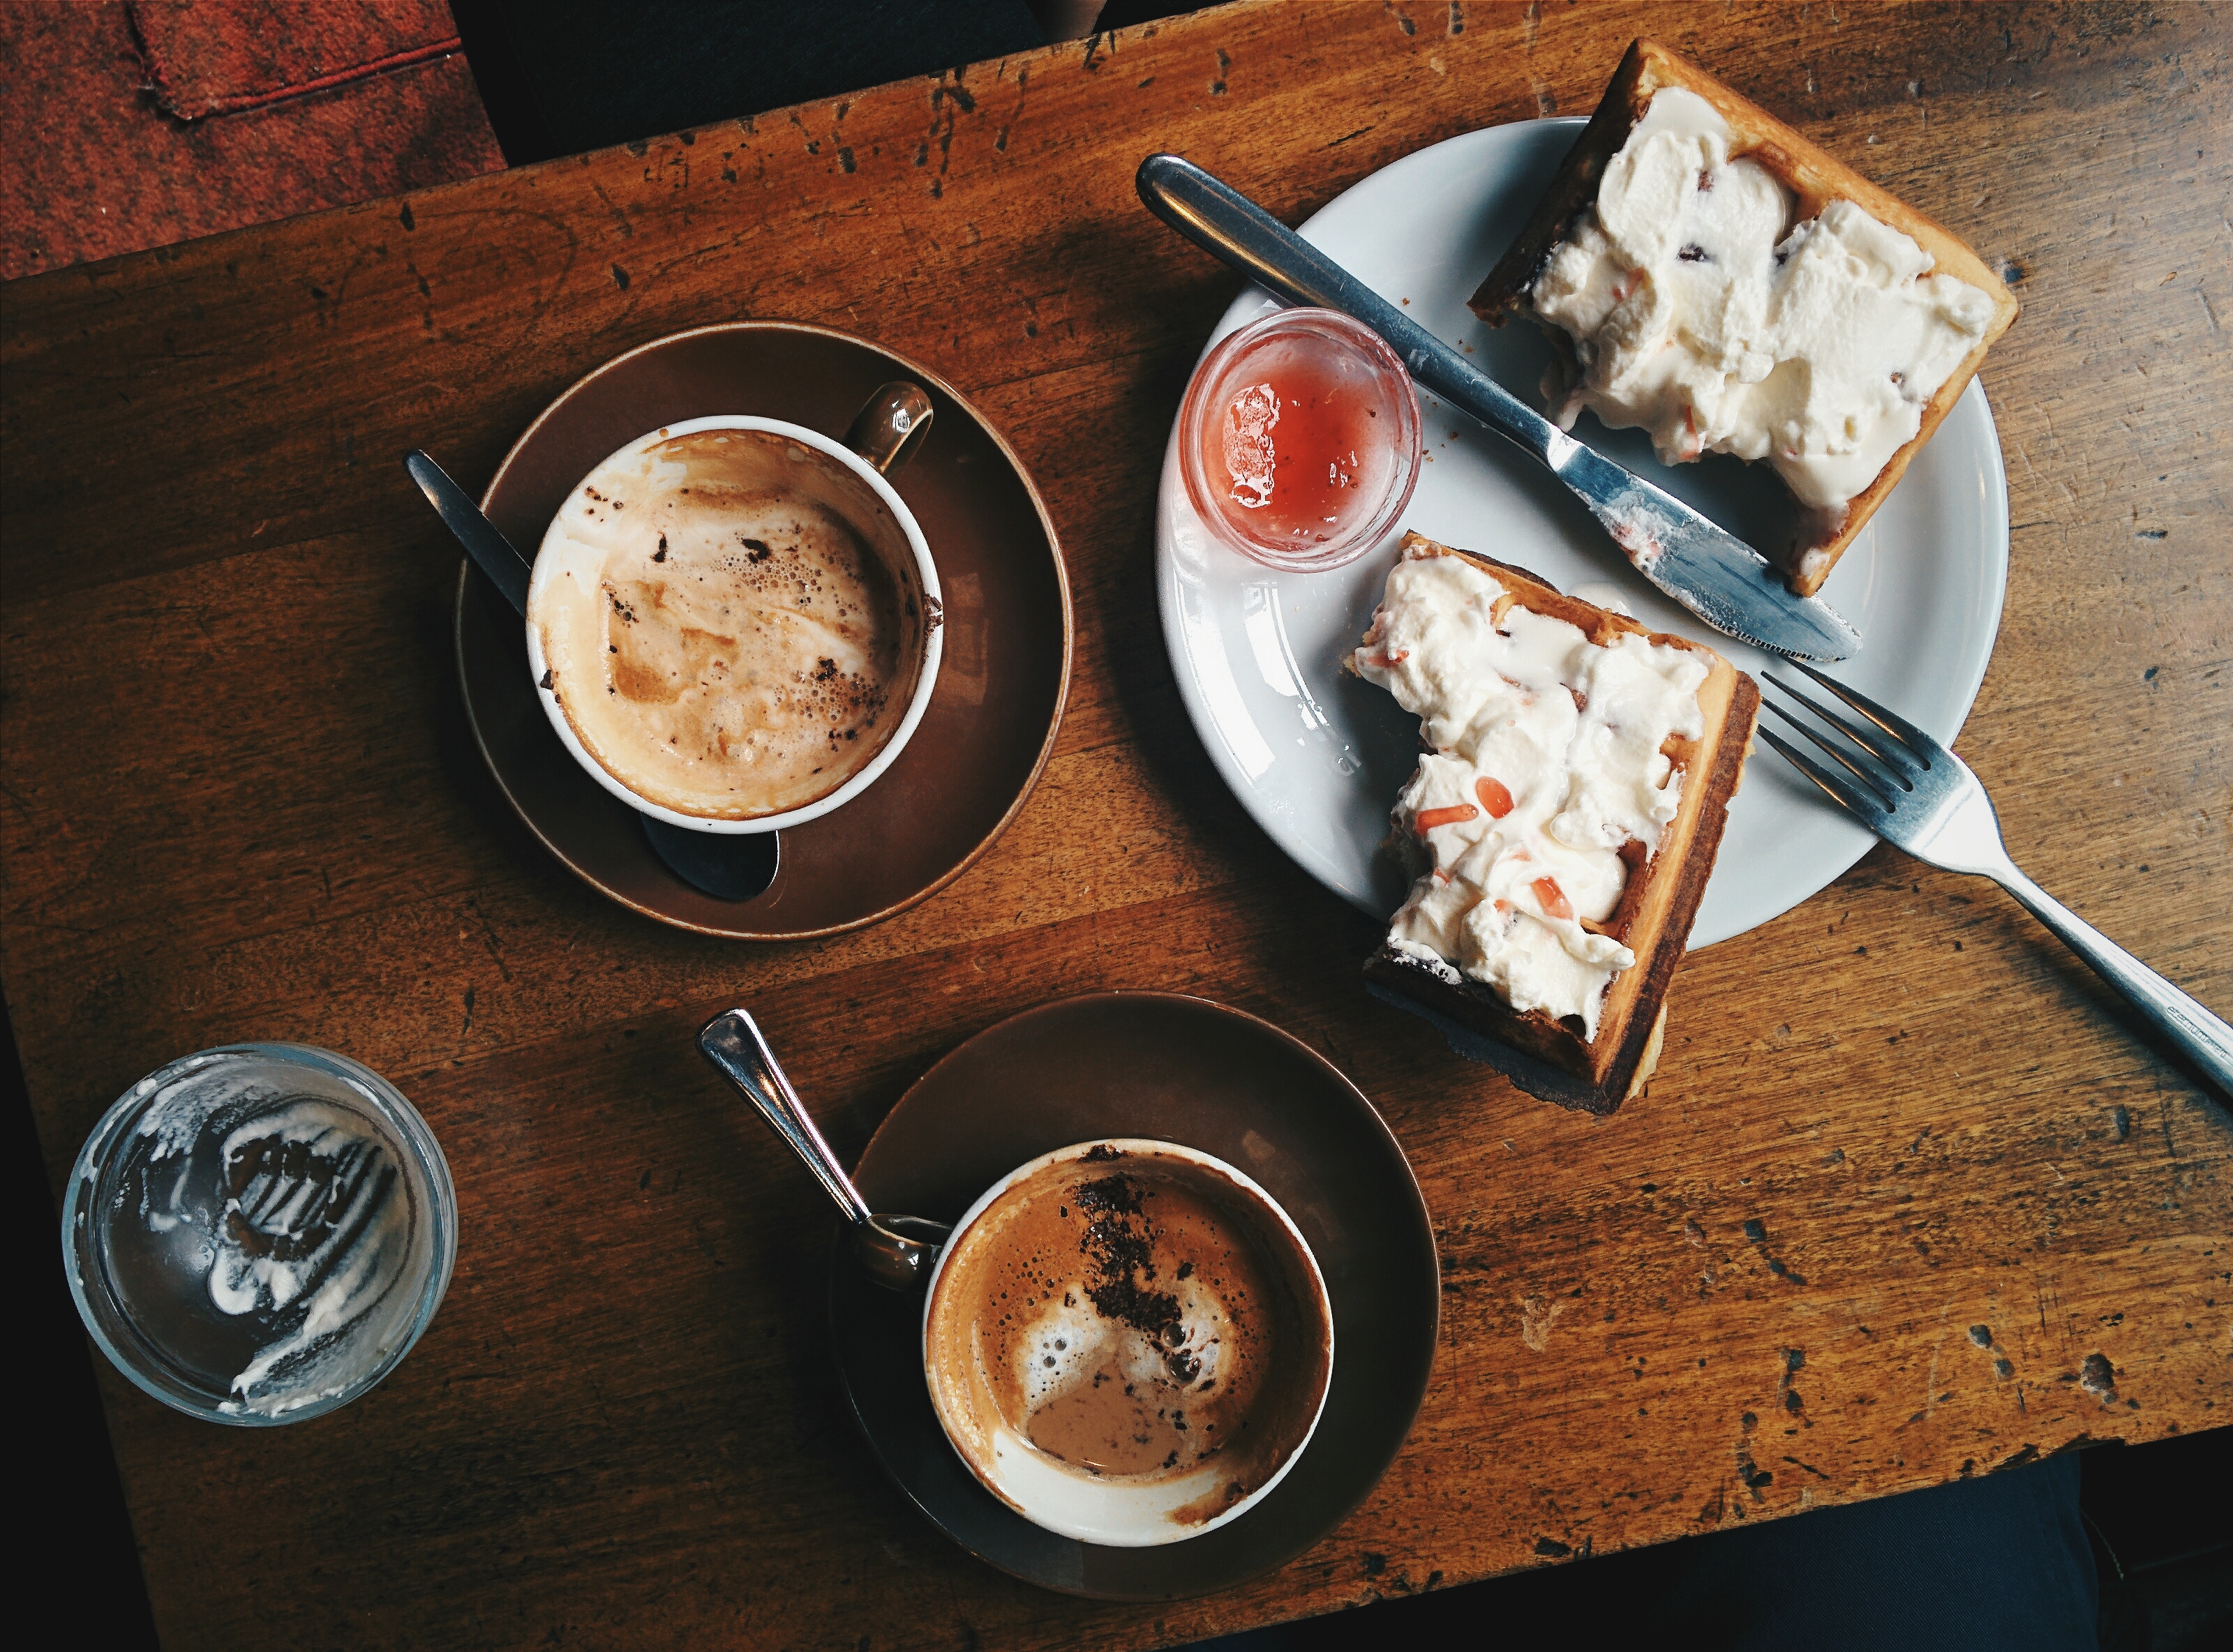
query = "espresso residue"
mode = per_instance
[
  {"x": 1121, "y": 1320},
  {"x": 279, "y": 1246},
  {"x": 1120, "y": 1260}
]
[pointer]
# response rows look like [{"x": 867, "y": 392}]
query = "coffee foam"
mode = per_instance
[
  {"x": 731, "y": 621},
  {"x": 1065, "y": 1347},
  {"x": 1194, "y": 1365}
]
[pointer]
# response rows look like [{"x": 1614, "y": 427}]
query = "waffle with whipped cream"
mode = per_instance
[
  {"x": 1706, "y": 274},
  {"x": 1562, "y": 820}
]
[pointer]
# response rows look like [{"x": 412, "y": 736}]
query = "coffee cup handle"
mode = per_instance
[{"x": 890, "y": 425}]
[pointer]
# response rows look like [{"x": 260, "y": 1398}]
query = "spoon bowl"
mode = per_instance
[{"x": 899, "y": 1251}]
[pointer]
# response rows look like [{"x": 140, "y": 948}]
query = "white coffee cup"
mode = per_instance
[
  {"x": 883, "y": 434},
  {"x": 1136, "y": 1511}
]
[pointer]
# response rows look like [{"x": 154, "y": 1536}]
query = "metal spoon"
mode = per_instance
[
  {"x": 726, "y": 867},
  {"x": 897, "y": 1252}
]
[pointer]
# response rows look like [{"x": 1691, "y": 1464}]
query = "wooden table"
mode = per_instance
[{"x": 240, "y": 801}]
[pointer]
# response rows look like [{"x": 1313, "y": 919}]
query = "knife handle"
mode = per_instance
[{"x": 1228, "y": 224}]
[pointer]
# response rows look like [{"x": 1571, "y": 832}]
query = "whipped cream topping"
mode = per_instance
[
  {"x": 315, "y": 1225},
  {"x": 292, "y": 1211},
  {"x": 1701, "y": 313},
  {"x": 1544, "y": 782}
]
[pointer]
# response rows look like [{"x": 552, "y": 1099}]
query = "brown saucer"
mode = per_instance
[
  {"x": 1180, "y": 1069},
  {"x": 992, "y": 720}
]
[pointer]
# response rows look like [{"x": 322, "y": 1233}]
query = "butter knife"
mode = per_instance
[{"x": 1705, "y": 568}]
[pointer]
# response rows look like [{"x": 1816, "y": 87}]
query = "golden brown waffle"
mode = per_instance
[{"x": 1653, "y": 917}]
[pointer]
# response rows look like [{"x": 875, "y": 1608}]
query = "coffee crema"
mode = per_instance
[
  {"x": 731, "y": 621},
  {"x": 1133, "y": 1316}
]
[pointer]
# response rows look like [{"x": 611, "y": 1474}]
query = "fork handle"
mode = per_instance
[{"x": 2206, "y": 1040}]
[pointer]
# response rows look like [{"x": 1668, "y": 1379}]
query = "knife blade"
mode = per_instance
[
  {"x": 1704, "y": 567},
  {"x": 492, "y": 553}
]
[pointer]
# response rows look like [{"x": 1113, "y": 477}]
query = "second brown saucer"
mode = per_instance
[{"x": 1223, "y": 1082}]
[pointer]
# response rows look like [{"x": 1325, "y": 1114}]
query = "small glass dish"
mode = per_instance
[
  {"x": 258, "y": 1234},
  {"x": 1299, "y": 439}
]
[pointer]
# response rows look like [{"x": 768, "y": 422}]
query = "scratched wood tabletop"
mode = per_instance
[{"x": 1906, "y": 1201}]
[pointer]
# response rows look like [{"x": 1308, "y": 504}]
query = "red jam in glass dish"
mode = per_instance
[{"x": 1299, "y": 439}]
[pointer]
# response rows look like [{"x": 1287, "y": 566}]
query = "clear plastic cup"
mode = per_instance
[
  {"x": 258, "y": 1234},
  {"x": 1299, "y": 439}
]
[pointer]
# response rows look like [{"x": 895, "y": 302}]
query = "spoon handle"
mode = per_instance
[
  {"x": 485, "y": 543},
  {"x": 734, "y": 1044}
]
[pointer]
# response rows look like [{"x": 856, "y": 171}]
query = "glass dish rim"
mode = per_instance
[
  {"x": 395, "y": 1110},
  {"x": 1192, "y": 412}
]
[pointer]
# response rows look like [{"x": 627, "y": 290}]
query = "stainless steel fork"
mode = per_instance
[{"x": 1910, "y": 791}]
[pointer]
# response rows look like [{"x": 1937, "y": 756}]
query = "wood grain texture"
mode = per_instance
[{"x": 240, "y": 801}]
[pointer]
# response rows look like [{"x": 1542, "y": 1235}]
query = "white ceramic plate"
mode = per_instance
[{"x": 1318, "y": 756}]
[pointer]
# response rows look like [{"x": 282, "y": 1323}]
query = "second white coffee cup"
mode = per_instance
[{"x": 1128, "y": 1510}]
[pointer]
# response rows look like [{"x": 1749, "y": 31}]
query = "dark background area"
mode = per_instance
[
  {"x": 546, "y": 97},
  {"x": 554, "y": 77}
]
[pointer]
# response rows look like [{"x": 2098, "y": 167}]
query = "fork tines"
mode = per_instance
[{"x": 1883, "y": 753}]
